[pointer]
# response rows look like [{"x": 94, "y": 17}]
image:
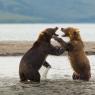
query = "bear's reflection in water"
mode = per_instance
[{"x": 58, "y": 82}]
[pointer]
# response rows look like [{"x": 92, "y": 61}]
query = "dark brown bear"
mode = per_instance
[
  {"x": 34, "y": 58},
  {"x": 76, "y": 54}
]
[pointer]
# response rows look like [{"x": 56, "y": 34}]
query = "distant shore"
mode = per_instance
[{"x": 18, "y": 48}]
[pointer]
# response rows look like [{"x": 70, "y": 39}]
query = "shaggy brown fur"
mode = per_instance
[
  {"x": 76, "y": 54},
  {"x": 34, "y": 58}
]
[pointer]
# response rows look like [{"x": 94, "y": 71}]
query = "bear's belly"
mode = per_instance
[
  {"x": 78, "y": 61},
  {"x": 34, "y": 62}
]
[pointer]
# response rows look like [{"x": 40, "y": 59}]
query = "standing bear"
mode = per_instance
[
  {"x": 76, "y": 54},
  {"x": 34, "y": 58}
]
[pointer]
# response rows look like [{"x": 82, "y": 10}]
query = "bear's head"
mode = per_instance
[
  {"x": 47, "y": 34},
  {"x": 72, "y": 33}
]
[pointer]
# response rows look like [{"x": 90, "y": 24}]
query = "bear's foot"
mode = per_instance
[
  {"x": 23, "y": 81},
  {"x": 84, "y": 77},
  {"x": 75, "y": 76}
]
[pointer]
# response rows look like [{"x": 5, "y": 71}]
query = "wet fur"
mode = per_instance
[
  {"x": 76, "y": 54},
  {"x": 35, "y": 57}
]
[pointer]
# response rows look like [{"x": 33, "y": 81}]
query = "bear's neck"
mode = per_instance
[
  {"x": 40, "y": 42},
  {"x": 77, "y": 39},
  {"x": 44, "y": 39}
]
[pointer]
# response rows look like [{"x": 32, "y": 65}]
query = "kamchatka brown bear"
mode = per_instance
[
  {"x": 34, "y": 58},
  {"x": 76, "y": 54}
]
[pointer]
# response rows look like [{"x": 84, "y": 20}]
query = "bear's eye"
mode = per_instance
[
  {"x": 69, "y": 33},
  {"x": 75, "y": 33}
]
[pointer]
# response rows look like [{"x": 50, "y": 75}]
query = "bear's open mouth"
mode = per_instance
[{"x": 64, "y": 35}]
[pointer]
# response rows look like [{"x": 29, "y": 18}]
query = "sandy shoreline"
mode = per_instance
[
  {"x": 17, "y": 48},
  {"x": 14, "y": 48},
  {"x": 47, "y": 87},
  {"x": 10, "y": 85}
]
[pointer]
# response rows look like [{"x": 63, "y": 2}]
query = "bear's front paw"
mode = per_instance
[
  {"x": 61, "y": 51},
  {"x": 57, "y": 39}
]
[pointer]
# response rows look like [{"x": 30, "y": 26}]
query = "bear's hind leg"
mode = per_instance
[
  {"x": 35, "y": 77},
  {"x": 22, "y": 77},
  {"x": 48, "y": 66},
  {"x": 84, "y": 77}
]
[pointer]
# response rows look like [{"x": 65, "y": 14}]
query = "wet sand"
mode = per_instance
[
  {"x": 12, "y": 86},
  {"x": 14, "y": 48},
  {"x": 61, "y": 86}
]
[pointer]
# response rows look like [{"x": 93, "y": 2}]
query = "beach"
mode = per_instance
[
  {"x": 54, "y": 85},
  {"x": 47, "y": 87},
  {"x": 16, "y": 39},
  {"x": 17, "y": 48}
]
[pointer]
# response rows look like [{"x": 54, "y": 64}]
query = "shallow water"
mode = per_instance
[
  {"x": 58, "y": 82},
  {"x": 61, "y": 68},
  {"x": 30, "y": 32}
]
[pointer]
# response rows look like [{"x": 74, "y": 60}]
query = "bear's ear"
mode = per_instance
[
  {"x": 44, "y": 35},
  {"x": 41, "y": 34}
]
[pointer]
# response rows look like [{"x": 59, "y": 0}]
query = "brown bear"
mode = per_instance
[
  {"x": 34, "y": 58},
  {"x": 76, "y": 54}
]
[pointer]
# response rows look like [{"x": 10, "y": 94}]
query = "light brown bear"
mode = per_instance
[
  {"x": 35, "y": 57},
  {"x": 76, "y": 54}
]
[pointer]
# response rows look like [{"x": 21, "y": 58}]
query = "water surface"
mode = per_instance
[
  {"x": 58, "y": 82},
  {"x": 61, "y": 67},
  {"x": 30, "y": 32}
]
